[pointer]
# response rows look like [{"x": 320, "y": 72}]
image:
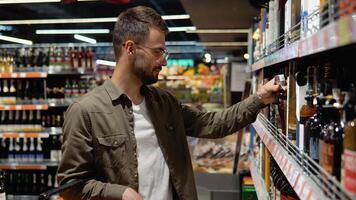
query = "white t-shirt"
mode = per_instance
[{"x": 153, "y": 172}]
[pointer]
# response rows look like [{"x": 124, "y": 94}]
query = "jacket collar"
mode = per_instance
[{"x": 115, "y": 92}]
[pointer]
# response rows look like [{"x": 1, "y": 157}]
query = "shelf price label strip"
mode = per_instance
[
  {"x": 303, "y": 185},
  {"x": 24, "y": 135},
  {"x": 24, "y": 75},
  {"x": 337, "y": 34},
  {"x": 22, "y": 167},
  {"x": 24, "y": 107},
  {"x": 258, "y": 181}
]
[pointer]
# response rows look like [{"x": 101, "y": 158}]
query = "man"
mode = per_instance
[{"x": 131, "y": 137}]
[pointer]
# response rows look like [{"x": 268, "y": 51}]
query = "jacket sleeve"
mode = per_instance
[
  {"x": 219, "y": 124},
  {"x": 78, "y": 160}
]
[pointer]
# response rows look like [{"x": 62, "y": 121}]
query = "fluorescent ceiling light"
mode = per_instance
[
  {"x": 175, "y": 17},
  {"x": 33, "y": 1},
  {"x": 224, "y": 44},
  {"x": 73, "y": 31},
  {"x": 106, "y": 62},
  {"x": 85, "y": 39},
  {"x": 79, "y": 20},
  {"x": 215, "y": 31},
  {"x": 16, "y": 40},
  {"x": 181, "y": 28}
]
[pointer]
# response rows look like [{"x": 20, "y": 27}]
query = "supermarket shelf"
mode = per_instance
[
  {"x": 24, "y": 107},
  {"x": 308, "y": 183},
  {"x": 257, "y": 180},
  {"x": 337, "y": 34},
  {"x": 24, "y": 134},
  {"x": 7, "y": 164},
  {"x": 24, "y": 75},
  {"x": 27, "y": 197},
  {"x": 287, "y": 53}
]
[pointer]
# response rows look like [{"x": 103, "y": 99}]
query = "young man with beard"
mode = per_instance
[{"x": 132, "y": 137}]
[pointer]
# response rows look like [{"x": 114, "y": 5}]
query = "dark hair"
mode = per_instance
[{"x": 133, "y": 24}]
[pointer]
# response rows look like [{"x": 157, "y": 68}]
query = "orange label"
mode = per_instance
[
  {"x": 328, "y": 157},
  {"x": 350, "y": 170}
]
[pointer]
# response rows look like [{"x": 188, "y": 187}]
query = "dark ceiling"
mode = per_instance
[{"x": 207, "y": 14}]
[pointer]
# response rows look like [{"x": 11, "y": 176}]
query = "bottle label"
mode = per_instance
[
  {"x": 328, "y": 157},
  {"x": 54, "y": 155},
  {"x": 2, "y": 196},
  {"x": 350, "y": 170},
  {"x": 314, "y": 148}
]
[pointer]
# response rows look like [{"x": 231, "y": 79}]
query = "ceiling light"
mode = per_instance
[
  {"x": 175, "y": 17},
  {"x": 79, "y": 20},
  {"x": 224, "y": 44},
  {"x": 85, "y": 39},
  {"x": 16, "y": 40},
  {"x": 73, "y": 31},
  {"x": 106, "y": 62},
  {"x": 33, "y": 1},
  {"x": 215, "y": 31},
  {"x": 181, "y": 28}
]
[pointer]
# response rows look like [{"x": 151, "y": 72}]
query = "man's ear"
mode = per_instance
[{"x": 129, "y": 47}]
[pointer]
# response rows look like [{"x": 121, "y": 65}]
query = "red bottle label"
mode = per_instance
[{"x": 350, "y": 170}]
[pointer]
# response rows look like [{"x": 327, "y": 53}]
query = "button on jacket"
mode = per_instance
[{"x": 99, "y": 140}]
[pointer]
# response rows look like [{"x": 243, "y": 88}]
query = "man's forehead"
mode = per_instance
[{"x": 156, "y": 36}]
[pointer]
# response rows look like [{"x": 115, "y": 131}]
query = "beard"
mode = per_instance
[{"x": 143, "y": 72}]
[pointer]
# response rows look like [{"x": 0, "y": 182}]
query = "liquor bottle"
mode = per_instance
[
  {"x": 313, "y": 128},
  {"x": 34, "y": 184},
  {"x": 30, "y": 117},
  {"x": 332, "y": 136},
  {"x": 38, "y": 117},
  {"x": 66, "y": 59},
  {"x": 75, "y": 89},
  {"x": 11, "y": 154},
  {"x": 281, "y": 101},
  {"x": 5, "y": 88},
  {"x": 80, "y": 56},
  {"x": 25, "y": 150},
  {"x": 27, "y": 91},
  {"x": 53, "y": 150},
  {"x": 39, "y": 150},
  {"x": 291, "y": 106},
  {"x": 17, "y": 147},
  {"x": 74, "y": 58},
  {"x": 32, "y": 57},
  {"x": 19, "y": 91},
  {"x": 12, "y": 89},
  {"x": 40, "y": 55},
  {"x": 3, "y": 148},
  {"x": 2, "y": 186},
  {"x": 49, "y": 182},
  {"x": 24, "y": 117},
  {"x": 42, "y": 184},
  {"x": 67, "y": 89},
  {"x": 32, "y": 150},
  {"x": 349, "y": 155}
]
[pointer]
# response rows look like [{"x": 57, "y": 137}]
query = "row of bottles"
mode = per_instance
[
  {"x": 31, "y": 149},
  {"x": 73, "y": 88},
  {"x": 283, "y": 22},
  {"x": 67, "y": 58},
  {"x": 29, "y": 182},
  {"x": 280, "y": 188},
  {"x": 29, "y": 120},
  {"x": 318, "y": 115},
  {"x": 24, "y": 90}
]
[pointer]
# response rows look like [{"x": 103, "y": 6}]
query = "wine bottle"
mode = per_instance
[
  {"x": 349, "y": 155},
  {"x": 2, "y": 186}
]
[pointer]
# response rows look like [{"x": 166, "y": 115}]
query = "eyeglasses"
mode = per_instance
[{"x": 157, "y": 52}]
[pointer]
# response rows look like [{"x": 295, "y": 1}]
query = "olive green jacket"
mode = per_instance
[{"x": 99, "y": 140}]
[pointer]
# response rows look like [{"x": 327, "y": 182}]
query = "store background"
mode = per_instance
[{"x": 223, "y": 51}]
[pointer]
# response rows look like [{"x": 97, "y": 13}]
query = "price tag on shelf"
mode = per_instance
[
  {"x": 22, "y": 75},
  {"x": 343, "y": 31},
  {"x": 7, "y": 107},
  {"x": 294, "y": 177},
  {"x": 18, "y": 107},
  {"x": 353, "y": 28},
  {"x": 299, "y": 185},
  {"x": 333, "y": 35},
  {"x": 43, "y": 75},
  {"x": 13, "y": 75}
]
